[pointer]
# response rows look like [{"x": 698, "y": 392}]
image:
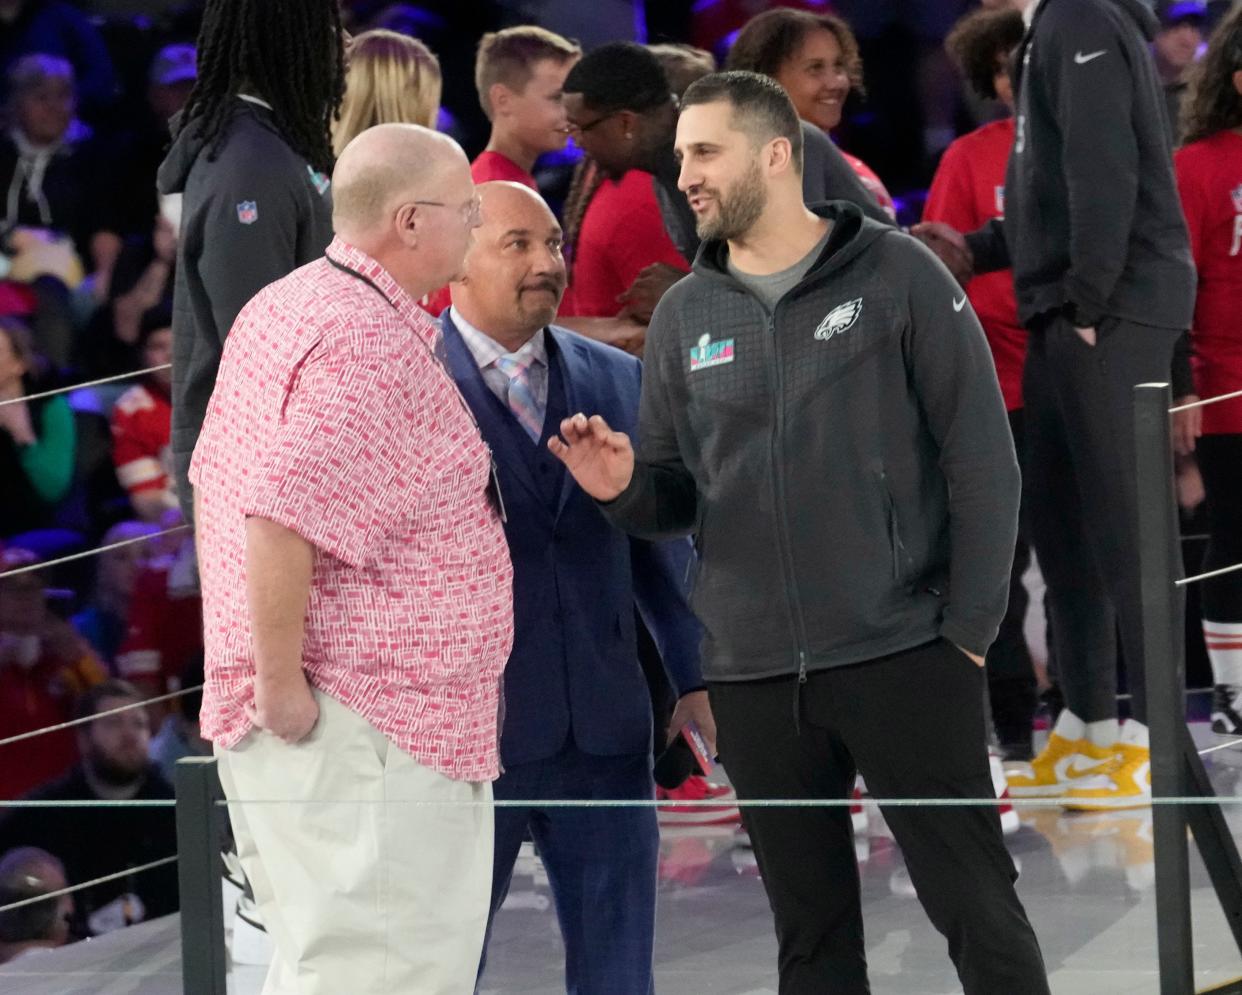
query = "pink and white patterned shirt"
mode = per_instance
[{"x": 333, "y": 417}]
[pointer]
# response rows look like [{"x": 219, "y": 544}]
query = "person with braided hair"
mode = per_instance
[{"x": 251, "y": 156}]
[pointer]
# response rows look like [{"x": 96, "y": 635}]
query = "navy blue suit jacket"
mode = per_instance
[{"x": 574, "y": 668}]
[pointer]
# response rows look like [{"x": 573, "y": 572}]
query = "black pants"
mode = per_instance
[
  {"x": 912, "y": 724},
  {"x": 1082, "y": 497},
  {"x": 1220, "y": 462},
  {"x": 1012, "y": 686}
]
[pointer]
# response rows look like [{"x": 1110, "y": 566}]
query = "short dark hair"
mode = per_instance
[
  {"x": 761, "y": 107},
  {"x": 979, "y": 40},
  {"x": 769, "y": 40},
  {"x": 89, "y": 700},
  {"x": 619, "y": 76},
  {"x": 154, "y": 319}
]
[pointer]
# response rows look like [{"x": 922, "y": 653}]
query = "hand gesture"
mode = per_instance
[
  {"x": 950, "y": 245},
  {"x": 648, "y": 287},
  {"x": 1187, "y": 426},
  {"x": 601, "y": 460},
  {"x": 285, "y": 707}
]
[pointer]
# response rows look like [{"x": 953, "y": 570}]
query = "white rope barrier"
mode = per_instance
[
  {"x": 89, "y": 383},
  {"x": 88, "y": 884},
  {"x": 99, "y": 715},
  {"x": 44, "y": 564},
  {"x": 1202, "y": 404}
]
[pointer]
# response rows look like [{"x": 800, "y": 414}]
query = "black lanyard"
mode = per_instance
[{"x": 493, "y": 487}]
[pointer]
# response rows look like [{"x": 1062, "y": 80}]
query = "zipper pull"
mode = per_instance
[{"x": 801, "y": 666}]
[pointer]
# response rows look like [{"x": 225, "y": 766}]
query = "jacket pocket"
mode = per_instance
[{"x": 897, "y": 549}]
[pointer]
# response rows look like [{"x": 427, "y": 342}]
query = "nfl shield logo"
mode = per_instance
[
  {"x": 247, "y": 212},
  {"x": 1236, "y": 196}
]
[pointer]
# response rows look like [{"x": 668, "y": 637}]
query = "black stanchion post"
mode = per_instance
[
  {"x": 1166, "y": 688},
  {"x": 203, "y": 969}
]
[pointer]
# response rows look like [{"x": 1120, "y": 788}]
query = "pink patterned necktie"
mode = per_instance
[{"x": 519, "y": 396}]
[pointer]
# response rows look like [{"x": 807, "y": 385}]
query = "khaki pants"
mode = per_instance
[{"x": 359, "y": 897}]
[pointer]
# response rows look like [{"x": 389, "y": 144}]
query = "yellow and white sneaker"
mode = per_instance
[
  {"x": 1124, "y": 783},
  {"x": 1067, "y": 757}
]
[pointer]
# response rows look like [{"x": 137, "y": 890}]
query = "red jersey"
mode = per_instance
[
  {"x": 875, "y": 186},
  {"x": 487, "y": 167},
  {"x": 34, "y": 694},
  {"x": 622, "y": 232},
  {"x": 967, "y": 191},
  {"x": 165, "y": 629},
  {"x": 141, "y": 429},
  {"x": 1209, "y": 178},
  {"x": 490, "y": 166}
]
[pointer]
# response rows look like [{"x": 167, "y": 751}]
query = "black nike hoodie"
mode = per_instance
[
  {"x": 1093, "y": 224},
  {"x": 846, "y": 463}
]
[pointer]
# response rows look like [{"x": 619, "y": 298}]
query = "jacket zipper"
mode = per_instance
[{"x": 782, "y": 524}]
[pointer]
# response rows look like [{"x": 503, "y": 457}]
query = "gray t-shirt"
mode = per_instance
[{"x": 771, "y": 287}]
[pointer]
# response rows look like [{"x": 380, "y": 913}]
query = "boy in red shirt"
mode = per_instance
[
  {"x": 1209, "y": 179},
  {"x": 141, "y": 424},
  {"x": 518, "y": 73}
]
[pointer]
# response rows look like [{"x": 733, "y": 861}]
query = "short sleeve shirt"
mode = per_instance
[{"x": 333, "y": 416}]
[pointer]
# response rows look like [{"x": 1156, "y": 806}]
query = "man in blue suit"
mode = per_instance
[{"x": 577, "y": 720}]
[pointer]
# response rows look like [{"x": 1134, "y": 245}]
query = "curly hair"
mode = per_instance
[
  {"x": 770, "y": 39},
  {"x": 979, "y": 41},
  {"x": 289, "y": 52},
  {"x": 1213, "y": 104}
]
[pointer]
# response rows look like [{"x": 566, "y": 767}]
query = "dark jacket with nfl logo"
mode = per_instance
[
  {"x": 845, "y": 463},
  {"x": 251, "y": 215}
]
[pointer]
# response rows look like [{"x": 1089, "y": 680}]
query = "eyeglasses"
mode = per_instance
[
  {"x": 582, "y": 129},
  {"x": 471, "y": 212}
]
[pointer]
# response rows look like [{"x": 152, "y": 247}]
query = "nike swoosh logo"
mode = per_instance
[
  {"x": 958, "y": 305},
  {"x": 1080, "y": 765},
  {"x": 1082, "y": 60}
]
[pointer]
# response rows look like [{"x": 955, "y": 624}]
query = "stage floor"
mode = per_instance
[{"x": 1087, "y": 881}]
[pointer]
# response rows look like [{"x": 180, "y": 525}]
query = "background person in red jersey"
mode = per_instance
[
  {"x": 968, "y": 190},
  {"x": 1209, "y": 178},
  {"x": 518, "y": 74}
]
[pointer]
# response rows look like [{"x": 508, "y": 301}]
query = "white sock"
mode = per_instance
[
  {"x": 1105, "y": 733},
  {"x": 1224, "y": 646},
  {"x": 1069, "y": 726}
]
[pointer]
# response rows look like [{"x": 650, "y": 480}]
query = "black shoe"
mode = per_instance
[{"x": 1227, "y": 710}]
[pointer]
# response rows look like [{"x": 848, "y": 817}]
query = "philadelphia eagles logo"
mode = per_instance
[{"x": 840, "y": 319}]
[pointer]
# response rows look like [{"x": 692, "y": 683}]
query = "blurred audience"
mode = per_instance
[
  {"x": 104, "y": 620},
  {"x": 37, "y": 437},
  {"x": 26, "y": 873},
  {"x": 113, "y": 765},
  {"x": 44, "y": 665},
  {"x": 142, "y": 420}
]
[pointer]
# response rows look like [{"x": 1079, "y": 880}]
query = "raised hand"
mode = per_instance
[{"x": 601, "y": 460}]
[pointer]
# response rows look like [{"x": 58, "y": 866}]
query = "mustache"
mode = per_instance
[{"x": 552, "y": 286}]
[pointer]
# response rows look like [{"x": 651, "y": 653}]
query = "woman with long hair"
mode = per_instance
[
  {"x": 252, "y": 158},
  {"x": 1209, "y": 178},
  {"x": 392, "y": 79},
  {"x": 815, "y": 58}
]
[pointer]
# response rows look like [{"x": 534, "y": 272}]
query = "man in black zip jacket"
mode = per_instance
[
  {"x": 819, "y": 407},
  {"x": 1105, "y": 284}
]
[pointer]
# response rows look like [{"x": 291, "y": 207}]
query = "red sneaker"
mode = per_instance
[{"x": 700, "y": 803}]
